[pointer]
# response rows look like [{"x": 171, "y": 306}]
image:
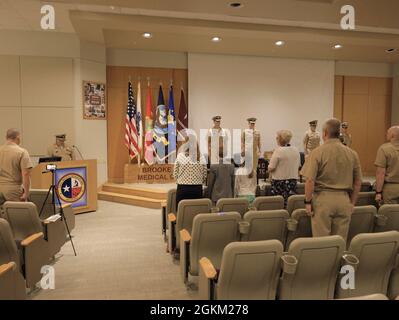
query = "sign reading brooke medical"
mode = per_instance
[{"x": 71, "y": 186}]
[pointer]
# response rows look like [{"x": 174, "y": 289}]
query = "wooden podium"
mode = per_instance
[{"x": 40, "y": 180}]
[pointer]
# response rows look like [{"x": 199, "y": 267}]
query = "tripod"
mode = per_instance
[{"x": 54, "y": 196}]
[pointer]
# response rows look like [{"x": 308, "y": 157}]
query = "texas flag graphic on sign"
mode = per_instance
[{"x": 71, "y": 186}]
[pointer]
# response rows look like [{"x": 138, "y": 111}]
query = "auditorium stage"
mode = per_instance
[{"x": 137, "y": 194}]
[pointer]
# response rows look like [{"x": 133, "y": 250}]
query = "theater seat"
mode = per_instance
[
  {"x": 233, "y": 205},
  {"x": 268, "y": 203},
  {"x": 299, "y": 226},
  {"x": 186, "y": 212},
  {"x": 210, "y": 235},
  {"x": 38, "y": 196},
  {"x": 249, "y": 271},
  {"x": 12, "y": 284},
  {"x": 28, "y": 233},
  {"x": 362, "y": 221},
  {"x": 295, "y": 202},
  {"x": 300, "y": 188},
  {"x": 366, "y": 187},
  {"x": 388, "y": 215},
  {"x": 366, "y": 199},
  {"x": 170, "y": 208},
  {"x": 377, "y": 254},
  {"x": 376, "y": 296},
  {"x": 310, "y": 268},
  {"x": 265, "y": 225},
  {"x": 393, "y": 286}
]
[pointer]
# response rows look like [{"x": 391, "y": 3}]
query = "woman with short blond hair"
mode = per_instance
[{"x": 284, "y": 165}]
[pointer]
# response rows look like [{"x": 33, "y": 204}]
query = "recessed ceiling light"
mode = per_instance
[
  {"x": 391, "y": 50},
  {"x": 216, "y": 39},
  {"x": 112, "y": 7},
  {"x": 147, "y": 35},
  {"x": 236, "y": 5},
  {"x": 337, "y": 46},
  {"x": 280, "y": 43}
]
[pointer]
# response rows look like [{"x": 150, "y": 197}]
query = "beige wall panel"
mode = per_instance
[
  {"x": 338, "y": 106},
  {"x": 355, "y": 112},
  {"x": 356, "y": 85},
  {"x": 380, "y": 86},
  {"x": 9, "y": 81},
  {"x": 363, "y": 69},
  {"x": 338, "y": 84},
  {"x": 10, "y": 117},
  {"x": 41, "y": 124},
  {"x": 47, "y": 82}
]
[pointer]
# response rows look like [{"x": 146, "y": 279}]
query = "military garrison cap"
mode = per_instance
[
  {"x": 61, "y": 136},
  {"x": 313, "y": 123},
  {"x": 345, "y": 125},
  {"x": 251, "y": 120},
  {"x": 217, "y": 118}
]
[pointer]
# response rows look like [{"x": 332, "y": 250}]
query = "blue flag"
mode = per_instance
[
  {"x": 171, "y": 128},
  {"x": 160, "y": 128}
]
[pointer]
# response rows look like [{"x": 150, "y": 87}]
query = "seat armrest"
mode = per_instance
[
  {"x": 4, "y": 268},
  {"x": 185, "y": 235},
  {"x": 208, "y": 268},
  {"x": 244, "y": 227},
  {"x": 29, "y": 240},
  {"x": 51, "y": 219},
  {"x": 171, "y": 217},
  {"x": 292, "y": 224},
  {"x": 185, "y": 239},
  {"x": 207, "y": 279}
]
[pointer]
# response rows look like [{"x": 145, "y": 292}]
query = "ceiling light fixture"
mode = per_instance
[
  {"x": 337, "y": 46},
  {"x": 147, "y": 35},
  {"x": 391, "y": 50},
  {"x": 279, "y": 43},
  {"x": 216, "y": 39},
  {"x": 236, "y": 5}
]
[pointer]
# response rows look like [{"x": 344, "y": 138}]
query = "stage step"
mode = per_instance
[
  {"x": 131, "y": 200},
  {"x": 135, "y": 191}
]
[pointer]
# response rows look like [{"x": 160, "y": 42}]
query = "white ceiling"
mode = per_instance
[{"x": 309, "y": 27}]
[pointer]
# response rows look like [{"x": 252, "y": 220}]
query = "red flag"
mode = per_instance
[{"x": 149, "y": 150}]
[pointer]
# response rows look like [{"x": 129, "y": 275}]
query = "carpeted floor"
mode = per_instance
[{"x": 121, "y": 255}]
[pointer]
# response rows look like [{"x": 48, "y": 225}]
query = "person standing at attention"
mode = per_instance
[
  {"x": 190, "y": 171},
  {"x": 312, "y": 138},
  {"x": 15, "y": 167},
  {"x": 284, "y": 166},
  {"x": 387, "y": 175},
  {"x": 333, "y": 181}
]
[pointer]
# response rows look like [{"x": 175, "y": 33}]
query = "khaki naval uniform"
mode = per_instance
[
  {"x": 334, "y": 167},
  {"x": 13, "y": 159},
  {"x": 388, "y": 158},
  {"x": 255, "y": 146},
  {"x": 66, "y": 152},
  {"x": 217, "y": 138},
  {"x": 311, "y": 141}
]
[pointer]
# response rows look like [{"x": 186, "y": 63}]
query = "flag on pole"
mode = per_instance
[
  {"x": 182, "y": 119},
  {"x": 171, "y": 127},
  {"x": 149, "y": 149},
  {"x": 131, "y": 134},
  {"x": 160, "y": 128},
  {"x": 139, "y": 118}
]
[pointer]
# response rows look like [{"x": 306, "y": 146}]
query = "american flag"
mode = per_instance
[{"x": 131, "y": 133}]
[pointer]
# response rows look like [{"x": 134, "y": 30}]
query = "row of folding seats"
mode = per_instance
[
  {"x": 268, "y": 224},
  {"x": 260, "y": 203},
  {"x": 310, "y": 269},
  {"x": 27, "y": 243}
]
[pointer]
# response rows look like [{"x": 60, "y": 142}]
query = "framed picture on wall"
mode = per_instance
[{"x": 94, "y": 101}]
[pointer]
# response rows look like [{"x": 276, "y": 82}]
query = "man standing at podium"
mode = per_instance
[
  {"x": 61, "y": 149},
  {"x": 15, "y": 166}
]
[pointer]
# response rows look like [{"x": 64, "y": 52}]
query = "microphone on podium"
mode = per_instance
[{"x": 76, "y": 147}]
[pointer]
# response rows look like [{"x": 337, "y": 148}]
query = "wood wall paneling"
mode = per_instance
[
  {"x": 367, "y": 108},
  {"x": 117, "y": 82}
]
